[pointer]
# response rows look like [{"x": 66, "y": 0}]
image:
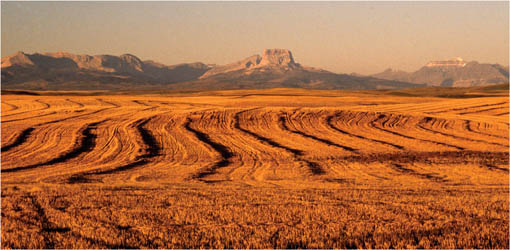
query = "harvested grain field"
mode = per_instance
[{"x": 255, "y": 169}]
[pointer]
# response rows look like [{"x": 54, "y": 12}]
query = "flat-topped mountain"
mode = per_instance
[
  {"x": 271, "y": 59},
  {"x": 274, "y": 68},
  {"x": 451, "y": 73}
]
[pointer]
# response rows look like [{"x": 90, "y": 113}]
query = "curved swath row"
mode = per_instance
[
  {"x": 84, "y": 142},
  {"x": 57, "y": 108},
  {"x": 475, "y": 139},
  {"x": 102, "y": 148},
  {"x": 181, "y": 154},
  {"x": 126, "y": 139},
  {"x": 289, "y": 123},
  {"x": 38, "y": 105},
  {"x": 288, "y": 152},
  {"x": 485, "y": 129},
  {"x": 394, "y": 129},
  {"x": 55, "y": 142},
  {"x": 18, "y": 136},
  {"x": 223, "y": 152},
  {"x": 7, "y": 107},
  {"x": 148, "y": 146},
  {"x": 239, "y": 154},
  {"x": 467, "y": 107},
  {"x": 362, "y": 140}
]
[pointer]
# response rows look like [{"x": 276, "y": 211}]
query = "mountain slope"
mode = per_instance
[{"x": 451, "y": 73}]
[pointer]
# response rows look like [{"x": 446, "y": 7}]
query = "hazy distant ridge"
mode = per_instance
[{"x": 451, "y": 73}]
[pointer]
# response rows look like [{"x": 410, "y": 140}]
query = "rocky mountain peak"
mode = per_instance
[
  {"x": 19, "y": 58},
  {"x": 271, "y": 60},
  {"x": 132, "y": 62},
  {"x": 131, "y": 58},
  {"x": 456, "y": 62},
  {"x": 281, "y": 57},
  {"x": 60, "y": 54},
  {"x": 20, "y": 53}
]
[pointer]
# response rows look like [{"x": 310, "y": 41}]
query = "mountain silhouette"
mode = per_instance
[
  {"x": 451, "y": 73},
  {"x": 274, "y": 68}
]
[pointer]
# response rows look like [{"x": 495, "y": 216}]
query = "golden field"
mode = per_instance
[{"x": 255, "y": 169}]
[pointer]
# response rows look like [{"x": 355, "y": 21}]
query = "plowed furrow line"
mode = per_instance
[
  {"x": 141, "y": 103},
  {"x": 374, "y": 125},
  {"x": 467, "y": 126},
  {"x": 224, "y": 152},
  {"x": 28, "y": 118},
  {"x": 81, "y": 115},
  {"x": 22, "y": 137},
  {"x": 75, "y": 102},
  {"x": 152, "y": 149},
  {"x": 420, "y": 125},
  {"x": 46, "y": 106},
  {"x": 495, "y": 168},
  {"x": 263, "y": 139},
  {"x": 13, "y": 107},
  {"x": 25, "y": 133},
  {"x": 67, "y": 118},
  {"x": 333, "y": 127},
  {"x": 480, "y": 111},
  {"x": 84, "y": 144},
  {"x": 464, "y": 108},
  {"x": 400, "y": 168},
  {"x": 184, "y": 140},
  {"x": 283, "y": 123},
  {"x": 314, "y": 167},
  {"x": 107, "y": 102},
  {"x": 82, "y": 176},
  {"x": 76, "y": 116}
]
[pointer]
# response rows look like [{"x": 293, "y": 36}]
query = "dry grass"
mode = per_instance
[{"x": 254, "y": 169}]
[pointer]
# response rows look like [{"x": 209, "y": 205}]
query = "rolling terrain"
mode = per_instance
[{"x": 274, "y": 168}]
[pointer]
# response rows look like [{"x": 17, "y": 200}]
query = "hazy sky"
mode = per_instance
[{"x": 344, "y": 37}]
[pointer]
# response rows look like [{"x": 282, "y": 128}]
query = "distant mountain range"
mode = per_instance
[
  {"x": 63, "y": 70},
  {"x": 275, "y": 68},
  {"x": 451, "y": 73}
]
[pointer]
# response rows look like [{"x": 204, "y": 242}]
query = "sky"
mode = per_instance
[{"x": 343, "y": 37}]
